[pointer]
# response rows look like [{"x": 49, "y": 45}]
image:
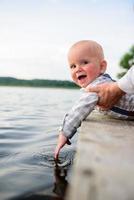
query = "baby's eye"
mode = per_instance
[
  {"x": 85, "y": 62},
  {"x": 72, "y": 66}
]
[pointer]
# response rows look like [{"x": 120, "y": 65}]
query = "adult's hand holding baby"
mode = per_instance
[{"x": 109, "y": 94}]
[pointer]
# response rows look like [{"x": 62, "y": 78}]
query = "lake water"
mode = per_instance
[{"x": 29, "y": 122}]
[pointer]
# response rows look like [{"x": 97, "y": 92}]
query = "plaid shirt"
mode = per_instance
[{"x": 124, "y": 109}]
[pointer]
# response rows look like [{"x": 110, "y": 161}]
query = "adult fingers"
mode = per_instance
[{"x": 92, "y": 89}]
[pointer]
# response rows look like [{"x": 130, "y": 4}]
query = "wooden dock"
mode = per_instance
[{"x": 104, "y": 165}]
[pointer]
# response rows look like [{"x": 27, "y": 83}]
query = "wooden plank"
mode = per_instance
[{"x": 104, "y": 165}]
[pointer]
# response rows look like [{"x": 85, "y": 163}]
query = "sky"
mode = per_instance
[{"x": 35, "y": 35}]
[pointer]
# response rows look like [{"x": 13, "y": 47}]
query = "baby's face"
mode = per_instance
[{"x": 84, "y": 65}]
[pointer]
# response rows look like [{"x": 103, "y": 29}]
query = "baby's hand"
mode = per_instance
[{"x": 62, "y": 140}]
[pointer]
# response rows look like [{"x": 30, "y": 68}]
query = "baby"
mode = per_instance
[{"x": 87, "y": 67}]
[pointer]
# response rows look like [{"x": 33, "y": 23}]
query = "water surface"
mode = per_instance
[{"x": 29, "y": 122}]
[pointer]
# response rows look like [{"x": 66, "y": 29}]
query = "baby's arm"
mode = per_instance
[
  {"x": 62, "y": 140},
  {"x": 74, "y": 118}
]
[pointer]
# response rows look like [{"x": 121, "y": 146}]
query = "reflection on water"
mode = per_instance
[
  {"x": 61, "y": 183},
  {"x": 29, "y": 120},
  {"x": 59, "y": 187}
]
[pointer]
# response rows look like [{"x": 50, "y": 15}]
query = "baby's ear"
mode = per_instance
[{"x": 103, "y": 66}]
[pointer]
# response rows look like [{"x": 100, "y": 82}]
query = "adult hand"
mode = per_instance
[{"x": 109, "y": 94}]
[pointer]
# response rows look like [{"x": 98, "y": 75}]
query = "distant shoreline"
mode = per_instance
[{"x": 10, "y": 81}]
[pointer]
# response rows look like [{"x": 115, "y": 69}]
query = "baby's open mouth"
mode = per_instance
[{"x": 82, "y": 77}]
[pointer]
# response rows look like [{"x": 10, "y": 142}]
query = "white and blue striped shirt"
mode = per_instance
[{"x": 124, "y": 109}]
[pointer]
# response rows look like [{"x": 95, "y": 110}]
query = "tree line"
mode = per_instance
[{"x": 10, "y": 81}]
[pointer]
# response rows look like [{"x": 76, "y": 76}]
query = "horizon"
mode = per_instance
[{"x": 13, "y": 77}]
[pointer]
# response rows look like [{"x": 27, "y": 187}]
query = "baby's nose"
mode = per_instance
[{"x": 79, "y": 68}]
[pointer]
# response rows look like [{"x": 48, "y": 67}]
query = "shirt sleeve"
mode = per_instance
[
  {"x": 126, "y": 83},
  {"x": 78, "y": 113}
]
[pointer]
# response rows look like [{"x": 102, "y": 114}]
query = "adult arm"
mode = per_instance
[{"x": 126, "y": 83}]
